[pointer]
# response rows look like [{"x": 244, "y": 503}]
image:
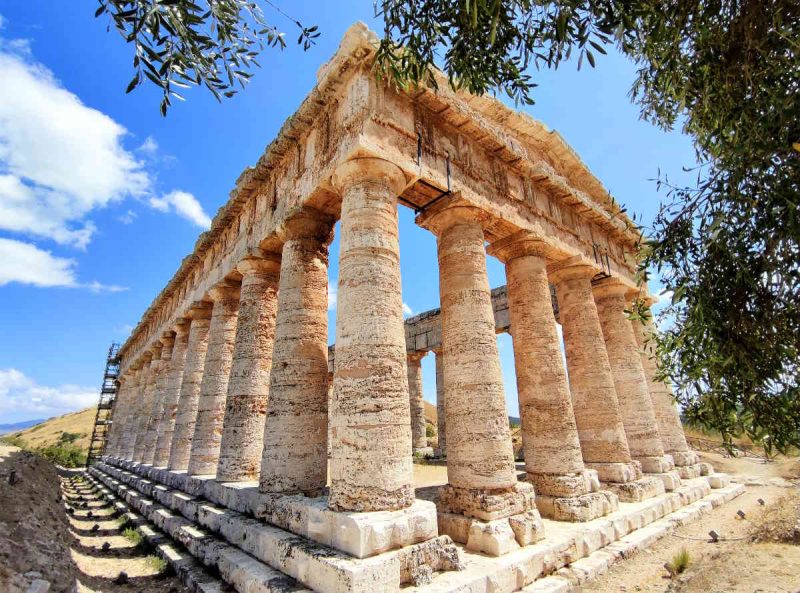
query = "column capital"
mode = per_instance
[
  {"x": 520, "y": 244},
  {"x": 156, "y": 351},
  {"x": 368, "y": 169},
  {"x": 199, "y": 310},
  {"x": 259, "y": 262},
  {"x": 573, "y": 268},
  {"x": 181, "y": 326},
  {"x": 307, "y": 223},
  {"x": 450, "y": 211},
  {"x": 168, "y": 339},
  {"x": 224, "y": 291},
  {"x": 610, "y": 287}
]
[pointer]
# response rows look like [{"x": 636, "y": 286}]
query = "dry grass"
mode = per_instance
[
  {"x": 780, "y": 522},
  {"x": 49, "y": 432}
]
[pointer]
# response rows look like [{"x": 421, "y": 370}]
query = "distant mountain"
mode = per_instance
[{"x": 6, "y": 428}]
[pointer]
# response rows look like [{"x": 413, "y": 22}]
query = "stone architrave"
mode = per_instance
[
  {"x": 172, "y": 392},
  {"x": 159, "y": 393},
  {"x": 480, "y": 458},
  {"x": 441, "y": 416},
  {"x": 633, "y": 395},
  {"x": 186, "y": 415},
  {"x": 214, "y": 385},
  {"x": 565, "y": 490},
  {"x": 419, "y": 439},
  {"x": 248, "y": 385},
  {"x": 604, "y": 445},
  {"x": 146, "y": 406},
  {"x": 371, "y": 462},
  {"x": 666, "y": 412},
  {"x": 295, "y": 454}
]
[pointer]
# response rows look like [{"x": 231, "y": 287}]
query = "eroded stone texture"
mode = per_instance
[
  {"x": 146, "y": 404},
  {"x": 186, "y": 416},
  {"x": 248, "y": 385},
  {"x": 295, "y": 450},
  {"x": 630, "y": 382},
  {"x": 419, "y": 440},
  {"x": 172, "y": 392},
  {"x": 120, "y": 409},
  {"x": 371, "y": 467},
  {"x": 594, "y": 398},
  {"x": 480, "y": 459},
  {"x": 441, "y": 416},
  {"x": 159, "y": 393},
  {"x": 666, "y": 412},
  {"x": 214, "y": 385},
  {"x": 128, "y": 435}
]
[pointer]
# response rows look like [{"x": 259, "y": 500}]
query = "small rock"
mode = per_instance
[
  {"x": 95, "y": 527},
  {"x": 121, "y": 579},
  {"x": 39, "y": 586},
  {"x": 106, "y": 546},
  {"x": 33, "y": 574}
]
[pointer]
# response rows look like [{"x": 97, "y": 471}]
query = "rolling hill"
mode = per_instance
[{"x": 49, "y": 432}]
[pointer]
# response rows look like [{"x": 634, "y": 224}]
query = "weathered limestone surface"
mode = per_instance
[
  {"x": 127, "y": 438},
  {"x": 159, "y": 393},
  {"x": 146, "y": 405},
  {"x": 119, "y": 412},
  {"x": 248, "y": 385},
  {"x": 369, "y": 416},
  {"x": 630, "y": 382},
  {"x": 186, "y": 417},
  {"x": 207, "y": 437},
  {"x": 441, "y": 415},
  {"x": 172, "y": 392},
  {"x": 296, "y": 433},
  {"x": 419, "y": 440}
]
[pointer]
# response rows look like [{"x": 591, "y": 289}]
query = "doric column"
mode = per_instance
[
  {"x": 371, "y": 464},
  {"x": 172, "y": 392},
  {"x": 118, "y": 412},
  {"x": 294, "y": 457},
  {"x": 146, "y": 406},
  {"x": 636, "y": 408},
  {"x": 594, "y": 396},
  {"x": 441, "y": 416},
  {"x": 666, "y": 412},
  {"x": 128, "y": 436},
  {"x": 214, "y": 385},
  {"x": 186, "y": 416},
  {"x": 480, "y": 458},
  {"x": 248, "y": 386},
  {"x": 553, "y": 460},
  {"x": 159, "y": 393},
  {"x": 419, "y": 440}
]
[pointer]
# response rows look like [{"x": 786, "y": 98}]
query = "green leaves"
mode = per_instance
[{"x": 182, "y": 43}]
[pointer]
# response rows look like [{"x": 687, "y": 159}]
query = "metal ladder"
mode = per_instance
[{"x": 105, "y": 407}]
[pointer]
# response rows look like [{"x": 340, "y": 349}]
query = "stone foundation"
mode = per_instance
[{"x": 637, "y": 490}]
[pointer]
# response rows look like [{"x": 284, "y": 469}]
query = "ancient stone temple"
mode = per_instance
[{"x": 288, "y": 466}]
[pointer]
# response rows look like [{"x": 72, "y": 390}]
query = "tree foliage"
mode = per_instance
[{"x": 727, "y": 71}]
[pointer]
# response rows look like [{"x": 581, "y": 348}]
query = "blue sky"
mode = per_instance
[{"x": 101, "y": 197}]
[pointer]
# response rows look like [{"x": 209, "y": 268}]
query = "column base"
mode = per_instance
[
  {"x": 616, "y": 471},
  {"x": 636, "y": 490},
  {"x": 577, "y": 509},
  {"x": 670, "y": 479},
  {"x": 484, "y": 504},
  {"x": 683, "y": 458},
  {"x": 495, "y": 538},
  {"x": 656, "y": 465},
  {"x": 718, "y": 480}
]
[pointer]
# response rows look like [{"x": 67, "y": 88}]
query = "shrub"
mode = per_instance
[
  {"x": 133, "y": 535},
  {"x": 430, "y": 431},
  {"x": 69, "y": 437},
  {"x": 157, "y": 563},
  {"x": 67, "y": 455},
  {"x": 679, "y": 563}
]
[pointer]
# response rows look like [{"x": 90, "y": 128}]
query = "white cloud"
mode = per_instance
[
  {"x": 59, "y": 159},
  {"x": 407, "y": 312},
  {"x": 185, "y": 205},
  {"x": 27, "y": 264},
  {"x": 2, "y": 21},
  {"x": 331, "y": 297},
  {"x": 128, "y": 217},
  {"x": 22, "y": 396},
  {"x": 149, "y": 146}
]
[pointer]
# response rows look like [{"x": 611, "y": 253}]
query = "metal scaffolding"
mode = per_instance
[{"x": 105, "y": 407}]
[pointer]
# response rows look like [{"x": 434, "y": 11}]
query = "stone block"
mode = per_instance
[
  {"x": 637, "y": 490},
  {"x": 494, "y": 538},
  {"x": 718, "y": 480},
  {"x": 527, "y": 528},
  {"x": 577, "y": 508},
  {"x": 656, "y": 465},
  {"x": 689, "y": 472},
  {"x": 706, "y": 469},
  {"x": 670, "y": 479},
  {"x": 683, "y": 458},
  {"x": 486, "y": 505},
  {"x": 616, "y": 472}
]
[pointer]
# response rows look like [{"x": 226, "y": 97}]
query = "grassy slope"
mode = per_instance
[{"x": 48, "y": 432}]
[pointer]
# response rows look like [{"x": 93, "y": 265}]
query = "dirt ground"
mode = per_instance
[
  {"x": 737, "y": 563},
  {"x": 39, "y": 540}
]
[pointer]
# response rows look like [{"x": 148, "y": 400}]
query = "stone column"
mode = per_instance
[
  {"x": 146, "y": 405},
  {"x": 419, "y": 440},
  {"x": 480, "y": 458},
  {"x": 638, "y": 418},
  {"x": 186, "y": 416},
  {"x": 666, "y": 412},
  {"x": 594, "y": 397},
  {"x": 118, "y": 411},
  {"x": 128, "y": 436},
  {"x": 159, "y": 393},
  {"x": 248, "y": 386},
  {"x": 295, "y": 455},
  {"x": 553, "y": 461},
  {"x": 441, "y": 416},
  {"x": 214, "y": 385},
  {"x": 371, "y": 464},
  {"x": 172, "y": 392}
]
